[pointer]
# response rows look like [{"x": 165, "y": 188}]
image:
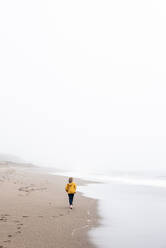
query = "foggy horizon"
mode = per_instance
[{"x": 83, "y": 84}]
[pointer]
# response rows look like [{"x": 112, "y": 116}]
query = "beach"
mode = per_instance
[
  {"x": 34, "y": 210},
  {"x": 123, "y": 212}
]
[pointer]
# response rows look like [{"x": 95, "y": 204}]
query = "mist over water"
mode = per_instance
[{"x": 84, "y": 93}]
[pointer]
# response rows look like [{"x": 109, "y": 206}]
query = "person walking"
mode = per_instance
[{"x": 71, "y": 190}]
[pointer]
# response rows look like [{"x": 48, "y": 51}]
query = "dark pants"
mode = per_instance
[{"x": 71, "y": 196}]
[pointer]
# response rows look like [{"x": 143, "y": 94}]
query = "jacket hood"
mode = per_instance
[{"x": 70, "y": 183}]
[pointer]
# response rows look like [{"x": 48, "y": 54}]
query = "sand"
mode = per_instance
[{"x": 34, "y": 211}]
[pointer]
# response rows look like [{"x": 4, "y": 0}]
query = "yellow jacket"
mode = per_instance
[{"x": 71, "y": 188}]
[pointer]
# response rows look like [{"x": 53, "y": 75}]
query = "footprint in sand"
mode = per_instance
[
  {"x": 7, "y": 241},
  {"x": 29, "y": 189},
  {"x": 16, "y": 221},
  {"x": 3, "y": 218}
]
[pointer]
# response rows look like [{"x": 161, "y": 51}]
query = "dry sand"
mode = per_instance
[{"x": 34, "y": 211}]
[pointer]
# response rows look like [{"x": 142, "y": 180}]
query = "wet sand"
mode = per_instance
[{"x": 34, "y": 211}]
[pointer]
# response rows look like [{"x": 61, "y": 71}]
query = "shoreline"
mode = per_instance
[{"x": 34, "y": 210}]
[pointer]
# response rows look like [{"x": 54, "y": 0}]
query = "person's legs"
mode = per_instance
[{"x": 71, "y": 196}]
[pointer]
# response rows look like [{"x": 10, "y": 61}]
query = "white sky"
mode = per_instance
[{"x": 83, "y": 83}]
